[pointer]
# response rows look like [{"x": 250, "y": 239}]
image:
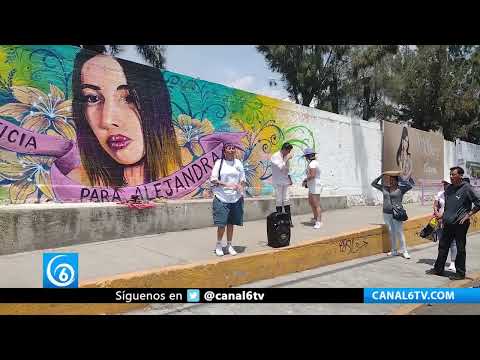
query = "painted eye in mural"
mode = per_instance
[{"x": 91, "y": 99}]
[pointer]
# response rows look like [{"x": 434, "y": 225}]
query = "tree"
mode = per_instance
[
  {"x": 305, "y": 69},
  {"x": 153, "y": 54},
  {"x": 368, "y": 79},
  {"x": 438, "y": 89},
  {"x": 434, "y": 87},
  {"x": 337, "y": 83},
  {"x": 332, "y": 75}
]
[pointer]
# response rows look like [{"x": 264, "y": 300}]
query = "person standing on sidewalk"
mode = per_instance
[
  {"x": 438, "y": 210},
  {"x": 228, "y": 183},
  {"x": 312, "y": 182},
  {"x": 393, "y": 194},
  {"x": 281, "y": 179},
  {"x": 459, "y": 197}
]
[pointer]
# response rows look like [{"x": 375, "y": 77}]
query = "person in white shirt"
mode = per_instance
[
  {"x": 228, "y": 185},
  {"x": 438, "y": 209},
  {"x": 314, "y": 186},
  {"x": 281, "y": 179}
]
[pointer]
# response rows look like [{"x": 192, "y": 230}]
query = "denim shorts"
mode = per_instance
[{"x": 227, "y": 213}]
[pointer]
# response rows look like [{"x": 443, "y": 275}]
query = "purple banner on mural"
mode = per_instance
[
  {"x": 174, "y": 186},
  {"x": 20, "y": 140}
]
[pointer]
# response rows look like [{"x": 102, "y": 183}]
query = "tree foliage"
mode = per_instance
[{"x": 433, "y": 87}]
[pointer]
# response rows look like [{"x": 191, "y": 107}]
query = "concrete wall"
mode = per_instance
[
  {"x": 349, "y": 151},
  {"x": 449, "y": 157},
  {"x": 32, "y": 227}
]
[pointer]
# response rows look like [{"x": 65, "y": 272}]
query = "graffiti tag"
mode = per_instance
[{"x": 351, "y": 246}]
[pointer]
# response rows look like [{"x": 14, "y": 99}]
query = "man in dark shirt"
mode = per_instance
[{"x": 459, "y": 197}]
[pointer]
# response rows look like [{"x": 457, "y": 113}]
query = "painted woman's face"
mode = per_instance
[{"x": 111, "y": 111}]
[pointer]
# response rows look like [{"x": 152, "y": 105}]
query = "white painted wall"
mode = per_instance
[
  {"x": 449, "y": 158},
  {"x": 349, "y": 152}
]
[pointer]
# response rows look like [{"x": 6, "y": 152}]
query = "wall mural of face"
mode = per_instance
[
  {"x": 110, "y": 110},
  {"x": 130, "y": 125}
]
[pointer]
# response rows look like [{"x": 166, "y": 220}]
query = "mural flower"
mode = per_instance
[
  {"x": 253, "y": 172},
  {"x": 263, "y": 139},
  {"x": 29, "y": 176},
  {"x": 40, "y": 112},
  {"x": 188, "y": 132},
  {"x": 260, "y": 139}
]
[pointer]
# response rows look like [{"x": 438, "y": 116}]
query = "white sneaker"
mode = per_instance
[
  {"x": 392, "y": 253},
  {"x": 406, "y": 255},
  {"x": 219, "y": 251},
  {"x": 231, "y": 250},
  {"x": 318, "y": 225},
  {"x": 452, "y": 267}
]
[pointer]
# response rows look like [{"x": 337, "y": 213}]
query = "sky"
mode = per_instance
[{"x": 238, "y": 66}]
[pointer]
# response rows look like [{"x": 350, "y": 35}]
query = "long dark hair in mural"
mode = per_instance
[{"x": 124, "y": 122}]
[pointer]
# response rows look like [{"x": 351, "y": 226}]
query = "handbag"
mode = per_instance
[
  {"x": 430, "y": 229},
  {"x": 399, "y": 213},
  {"x": 426, "y": 231}
]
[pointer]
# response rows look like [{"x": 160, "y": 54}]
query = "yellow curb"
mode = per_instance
[
  {"x": 408, "y": 309},
  {"x": 241, "y": 269}
]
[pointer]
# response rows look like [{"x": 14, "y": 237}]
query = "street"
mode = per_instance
[{"x": 372, "y": 271}]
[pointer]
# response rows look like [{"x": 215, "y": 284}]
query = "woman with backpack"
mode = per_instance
[{"x": 228, "y": 184}]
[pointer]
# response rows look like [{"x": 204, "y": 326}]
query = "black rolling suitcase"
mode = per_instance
[{"x": 278, "y": 229}]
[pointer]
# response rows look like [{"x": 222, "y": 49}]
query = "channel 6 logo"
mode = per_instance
[{"x": 60, "y": 270}]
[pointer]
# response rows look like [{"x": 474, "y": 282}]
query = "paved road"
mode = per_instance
[
  {"x": 372, "y": 271},
  {"x": 450, "y": 309}
]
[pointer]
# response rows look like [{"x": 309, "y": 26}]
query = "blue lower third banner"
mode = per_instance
[{"x": 421, "y": 296}]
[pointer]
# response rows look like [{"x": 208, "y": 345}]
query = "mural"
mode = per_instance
[
  {"x": 467, "y": 155},
  {"x": 79, "y": 126},
  {"x": 417, "y": 154}
]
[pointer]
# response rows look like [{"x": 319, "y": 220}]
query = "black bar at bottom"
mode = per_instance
[{"x": 211, "y": 295}]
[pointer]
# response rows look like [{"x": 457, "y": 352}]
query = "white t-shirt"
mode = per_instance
[
  {"x": 280, "y": 169},
  {"x": 314, "y": 184},
  {"x": 232, "y": 173},
  {"x": 441, "y": 201}
]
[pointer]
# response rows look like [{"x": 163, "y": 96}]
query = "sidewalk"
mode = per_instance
[
  {"x": 373, "y": 271},
  {"x": 114, "y": 257}
]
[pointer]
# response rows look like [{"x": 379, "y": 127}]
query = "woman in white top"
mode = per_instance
[
  {"x": 228, "y": 183},
  {"x": 314, "y": 187}
]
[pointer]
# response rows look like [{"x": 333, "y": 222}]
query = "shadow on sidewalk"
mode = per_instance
[
  {"x": 431, "y": 262},
  {"x": 426, "y": 261},
  {"x": 239, "y": 249}
]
